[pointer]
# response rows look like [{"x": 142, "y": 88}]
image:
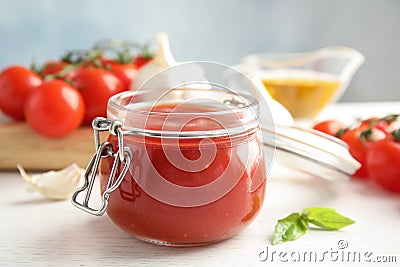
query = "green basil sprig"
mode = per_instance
[{"x": 296, "y": 225}]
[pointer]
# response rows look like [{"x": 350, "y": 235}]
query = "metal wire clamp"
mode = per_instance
[{"x": 104, "y": 150}]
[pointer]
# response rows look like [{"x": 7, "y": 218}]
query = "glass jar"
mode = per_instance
[
  {"x": 187, "y": 155},
  {"x": 191, "y": 171}
]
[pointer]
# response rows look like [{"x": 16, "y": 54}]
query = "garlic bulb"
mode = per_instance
[{"x": 55, "y": 184}]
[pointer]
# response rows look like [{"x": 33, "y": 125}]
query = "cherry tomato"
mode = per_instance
[
  {"x": 383, "y": 161},
  {"x": 96, "y": 87},
  {"x": 388, "y": 123},
  {"x": 16, "y": 82},
  {"x": 142, "y": 60},
  {"x": 54, "y": 109},
  {"x": 53, "y": 67},
  {"x": 375, "y": 143},
  {"x": 126, "y": 73},
  {"x": 330, "y": 127},
  {"x": 359, "y": 139}
]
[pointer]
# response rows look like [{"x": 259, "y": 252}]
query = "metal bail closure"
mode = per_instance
[{"x": 104, "y": 150}]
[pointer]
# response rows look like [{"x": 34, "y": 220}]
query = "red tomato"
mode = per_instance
[
  {"x": 16, "y": 82},
  {"x": 358, "y": 145},
  {"x": 54, "y": 109},
  {"x": 126, "y": 73},
  {"x": 383, "y": 161},
  {"x": 96, "y": 87},
  {"x": 53, "y": 67},
  {"x": 375, "y": 122},
  {"x": 330, "y": 127},
  {"x": 141, "y": 60},
  {"x": 388, "y": 123}
]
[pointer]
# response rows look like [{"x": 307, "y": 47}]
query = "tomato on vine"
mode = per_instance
[
  {"x": 54, "y": 109},
  {"x": 125, "y": 72},
  {"x": 52, "y": 67},
  {"x": 331, "y": 127},
  {"x": 383, "y": 161},
  {"x": 359, "y": 139},
  {"x": 96, "y": 87},
  {"x": 141, "y": 60},
  {"x": 16, "y": 82},
  {"x": 144, "y": 56},
  {"x": 387, "y": 123}
]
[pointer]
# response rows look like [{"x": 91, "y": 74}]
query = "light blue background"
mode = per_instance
[{"x": 220, "y": 30}]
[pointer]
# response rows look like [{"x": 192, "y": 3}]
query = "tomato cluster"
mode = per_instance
[
  {"x": 61, "y": 95},
  {"x": 375, "y": 143}
]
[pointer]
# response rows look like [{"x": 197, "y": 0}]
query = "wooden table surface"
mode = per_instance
[{"x": 38, "y": 232}]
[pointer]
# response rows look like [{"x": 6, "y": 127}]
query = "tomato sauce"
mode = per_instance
[{"x": 166, "y": 217}]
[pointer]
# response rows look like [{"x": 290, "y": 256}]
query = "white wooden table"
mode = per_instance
[{"x": 38, "y": 232}]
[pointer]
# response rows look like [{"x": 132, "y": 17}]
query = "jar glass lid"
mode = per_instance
[{"x": 311, "y": 151}]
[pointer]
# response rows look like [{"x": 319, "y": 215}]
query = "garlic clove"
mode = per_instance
[{"x": 55, "y": 184}]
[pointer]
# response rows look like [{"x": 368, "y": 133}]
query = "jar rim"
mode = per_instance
[
  {"x": 244, "y": 106},
  {"x": 113, "y": 101}
]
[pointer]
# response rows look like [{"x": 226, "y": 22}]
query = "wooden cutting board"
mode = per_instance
[{"x": 20, "y": 144}]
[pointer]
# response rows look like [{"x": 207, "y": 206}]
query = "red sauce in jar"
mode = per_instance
[{"x": 147, "y": 217}]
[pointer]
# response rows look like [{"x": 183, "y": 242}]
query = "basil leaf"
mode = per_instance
[
  {"x": 290, "y": 228},
  {"x": 326, "y": 218}
]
